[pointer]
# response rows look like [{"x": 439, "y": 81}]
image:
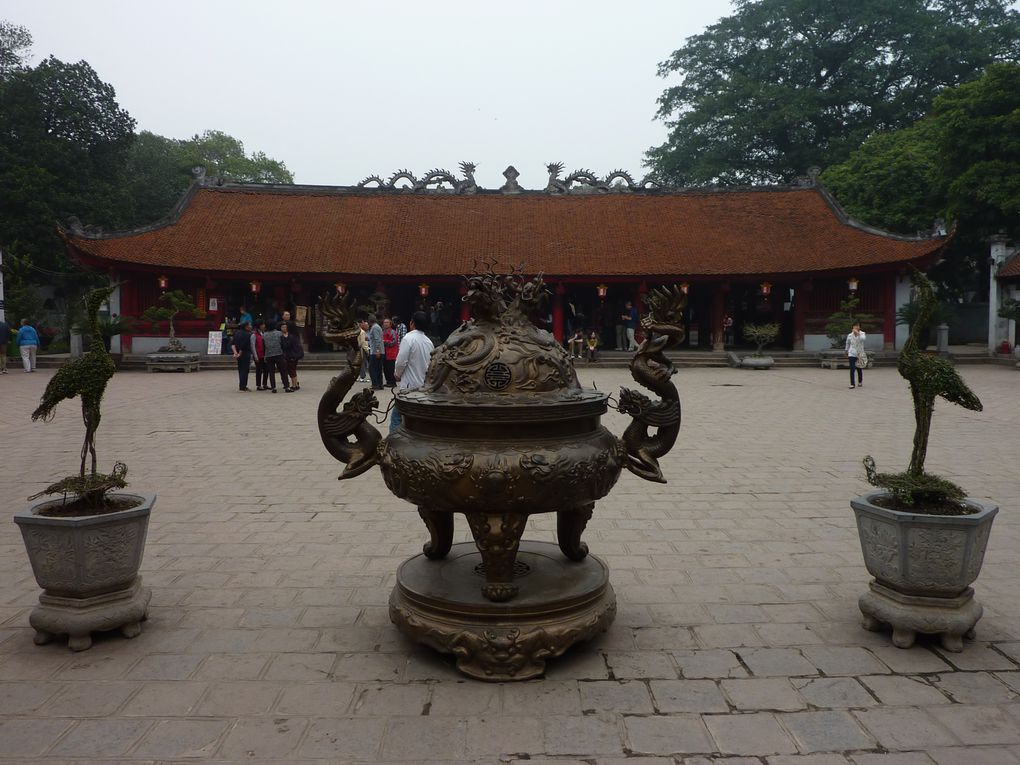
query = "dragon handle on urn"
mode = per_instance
[
  {"x": 336, "y": 426},
  {"x": 652, "y": 369}
]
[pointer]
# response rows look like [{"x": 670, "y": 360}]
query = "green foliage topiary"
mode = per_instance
[
  {"x": 842, "y": 321},
  {"x": 930, "y": 377},
  {"x": 761, "y": 335},
  {"x": 1010, "y": 309},
  {"x": 168, "y": 306}
]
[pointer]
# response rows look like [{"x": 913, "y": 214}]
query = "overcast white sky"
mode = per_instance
[{"x": 341, "y": 90}]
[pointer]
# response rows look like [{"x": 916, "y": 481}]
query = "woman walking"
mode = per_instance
[
  {"x": 856, "y": 354},
  {"x": 258, "y": 354},
  {"x": 274, "y": 358},
  {"x": 392, "y": 345},
  {"x": 292, "y": 354}
]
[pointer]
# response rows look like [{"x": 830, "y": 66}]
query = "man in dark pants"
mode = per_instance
[
  {"x": 375, "y": 353},
  {"x": 242, "y": 352}
]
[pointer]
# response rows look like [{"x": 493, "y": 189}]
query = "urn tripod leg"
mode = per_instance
[
  {"x": 570, "y": 524},
  {"x": 498, "y": 535},
  {"x": 440, "y": 526}
]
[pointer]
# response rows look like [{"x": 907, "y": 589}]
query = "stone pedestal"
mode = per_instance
[
  {"x": 172, "y": 362},
  {"x": 951, "y": 618},
  {"x": 561, "y": 602},
  {"x": 79, "y": 617}
]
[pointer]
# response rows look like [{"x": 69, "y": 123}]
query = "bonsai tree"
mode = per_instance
[
  {"x": 761, "y": 335},
  {"x": 929, "y": 378},
  {"x": 840, "y": 322},
  {"x": 167, "y": 307},
  {"x": 85, "y": 377}
]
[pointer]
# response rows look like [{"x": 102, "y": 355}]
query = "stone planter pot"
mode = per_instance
[
  {"x": 88, "y": 569},
  {"x": 923, "y": 567},
  {"x": 757, "y": 362}
]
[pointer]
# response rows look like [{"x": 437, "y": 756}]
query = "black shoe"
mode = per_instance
[
  {"x": 852, "y": 387},
  {"x": 273, "y": 390},
  {"x": 244, "y": 390},
  {"x": 288, "y": 390}
]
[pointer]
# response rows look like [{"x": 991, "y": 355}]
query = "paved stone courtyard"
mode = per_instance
[{"x": 737, "y": 634}]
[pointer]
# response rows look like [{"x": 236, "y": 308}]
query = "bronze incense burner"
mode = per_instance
[{"x": 502, "y": 430}]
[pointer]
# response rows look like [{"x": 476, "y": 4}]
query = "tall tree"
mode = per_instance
[
  {"x": 15, "y": 46},
  {"x": 63, "y": 142},
  {"x": 160, "y": 169},
  {"x": 785, "y": 84}
]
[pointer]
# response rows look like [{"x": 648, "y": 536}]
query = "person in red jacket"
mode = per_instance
[
  {"x": 258, "y": 354},
  {"x": 391, "y": 345}
]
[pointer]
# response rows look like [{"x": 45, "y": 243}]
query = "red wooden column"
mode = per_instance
[
  {"x": 557, "y": 315},
  {"x": 800, "y": 307},
  {"x": 889, "y": 312},
  {"x": 718, "y": 314}
]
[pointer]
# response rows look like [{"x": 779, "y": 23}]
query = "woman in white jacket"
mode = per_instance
[{"x": 856, "y": 354}]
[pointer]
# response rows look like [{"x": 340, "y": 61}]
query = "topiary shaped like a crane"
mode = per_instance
[
  {"x": 85, "y": 377},
  {"x": 930, "y": 377}
]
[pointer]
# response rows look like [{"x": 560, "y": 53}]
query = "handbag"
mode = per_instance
[{"x": 863, "y": 360}]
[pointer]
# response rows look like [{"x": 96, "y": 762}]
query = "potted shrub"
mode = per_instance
[
  {"x": 761, "y": 335},
  {"x": 838, "y": 325},
  {"x": 923, "y": 540},
  {"x": 86, "y": 546},
  {"x": 173, "y": 356}
]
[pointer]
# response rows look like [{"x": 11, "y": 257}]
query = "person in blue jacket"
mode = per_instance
[{"x": 28, "y": 344}]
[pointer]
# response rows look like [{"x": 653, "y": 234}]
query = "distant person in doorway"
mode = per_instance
[
  {"x": 245, "y": 317},
  {"x": 258, "y": 355},
  {"x": 630, "y": 322},
  {"x": 5, "y": 338},
  {"x": 856, "y": 355},
  {"x": 412, "y": 361},
  {"x": 242, "y": 354},
  {"x": 274, "y": 358},
  {"x": 292, "y": 354},
  {"x": 576, "y": 344},
  {"x": 375, "y": 352},
  {"x": 592, "y": 346},
  {"x": 363, "y": 342},
  {"x": 727, "y": 330},
  {"x": 392, "y": 346},
  {"x": 28, "y": 345}
]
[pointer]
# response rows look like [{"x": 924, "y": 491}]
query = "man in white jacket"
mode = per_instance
[
  {"x": 856, "y": 354},
  {"x": 412, "y": 361}
]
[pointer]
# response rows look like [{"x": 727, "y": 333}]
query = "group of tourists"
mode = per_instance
[
  {"x": 28, "y": 345},
  {"x": 273, "y": 347},
  {"x": 380, "y": 346}
]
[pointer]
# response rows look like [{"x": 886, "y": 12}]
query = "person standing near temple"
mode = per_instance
[
  {"x": 5, "y": 338},
  {"x": 258, "y": 355},
  {"x": 592, "y": 346},
  {"x": 375, "y": 352},
  {"x": 292, "y": 354},
  {"x": 412, "y": 361},
  {"x": 245, "y": 317},
  {"x": 28, "y": 344},
  {"x": 274, "y": 358},
  {"x": 401, "y": 329},
  {"x": 392, "y": 346},
  {"x": 363, "y": 342},
  {"x": 630, "y": 321},
  {"x": 856, "y": 354},
  {"x": 242, "y": 353}
]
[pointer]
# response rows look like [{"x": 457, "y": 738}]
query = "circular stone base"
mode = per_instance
[
  {"x": 952, "y": 619},
  {"x": 79, "y": 617},
  {"x": 561, "y": 602}
]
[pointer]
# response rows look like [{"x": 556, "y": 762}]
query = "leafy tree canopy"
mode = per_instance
[
  {"x": 15, "y": 45},
  {"x": 782, "y": 85}
]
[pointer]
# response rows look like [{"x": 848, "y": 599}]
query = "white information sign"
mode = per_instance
[{"x": 215, "y": 343}]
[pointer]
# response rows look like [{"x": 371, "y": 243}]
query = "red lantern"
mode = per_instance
[
  {"x": 423, "y": 290},
  {"x": 341, "y": 288},
  {"x": 766, "y": 288},
  {"x": 853, "y": 284},
  {"x": 685, "y": 287},
  {"x": 256, "y": 286},
  {"x": 164, "y": 282}
]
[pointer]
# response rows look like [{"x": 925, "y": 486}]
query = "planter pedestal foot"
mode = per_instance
[
  {"x": 951, "y": 618},
  {"x": 79, "y": 617}
]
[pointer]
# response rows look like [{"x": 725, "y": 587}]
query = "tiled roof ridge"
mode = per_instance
[{"x": 74, "y": 229}]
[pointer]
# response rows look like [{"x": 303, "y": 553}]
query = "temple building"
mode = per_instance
[{"x": 785, "y": 254}]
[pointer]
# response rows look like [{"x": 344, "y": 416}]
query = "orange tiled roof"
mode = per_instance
[
  {"x": 1011, "y": 269},
  {"x": 356, "y": 231}
]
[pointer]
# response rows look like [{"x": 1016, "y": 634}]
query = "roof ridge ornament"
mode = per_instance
[
  {"x": 198, "y": 173},
  {"x": 511, "y": 186}
]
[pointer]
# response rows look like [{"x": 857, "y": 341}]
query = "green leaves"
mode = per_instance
[{"x": 785, "y": 84}]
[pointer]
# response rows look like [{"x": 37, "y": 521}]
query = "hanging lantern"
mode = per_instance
[
  {"x": 685, "y": 287},
  {"x": 766, "y": 288},
  {"x": 423, "y": 289},
  {"x": 256, "y": 286},
  {"x": 164, "y": 282},
  {"x": 341, "y": 288},
  {"x": 853, "y": 284},
  {"x": 602, "y": 290}
]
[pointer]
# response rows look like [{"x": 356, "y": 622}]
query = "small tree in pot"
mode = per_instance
[
  {"x": 86, "y": 548},
  {"x": 169, "y": 305},
  {"x": 761, "y": 335},
  {"x": 922, "y": 539}
]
